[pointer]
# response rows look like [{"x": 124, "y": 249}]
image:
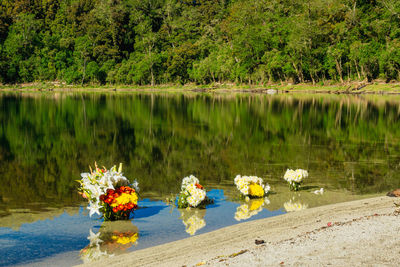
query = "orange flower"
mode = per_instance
[{"x": 199, "y": 186}]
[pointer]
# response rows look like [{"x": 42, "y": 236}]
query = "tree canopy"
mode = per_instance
[{"x": 174, "y": 41}]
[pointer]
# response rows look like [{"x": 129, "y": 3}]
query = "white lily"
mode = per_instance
[
  {"x": 93, "y": 208},
  {"x": 94, "y": 238},
  {"x": 135, "y": 185}
]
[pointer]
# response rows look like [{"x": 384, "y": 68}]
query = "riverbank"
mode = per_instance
[
  {"x": 352, "y": 88},
  {"x": 352, "y": 233}
]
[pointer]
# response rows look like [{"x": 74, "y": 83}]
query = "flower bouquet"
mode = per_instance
[
  {"x": 192, "y": 194},
  {"x": 109, "y": 193},
  {"x": 250, "y": 208},
  {"x": 251, "y": 186},
  {"x": 295, "y": 178}
]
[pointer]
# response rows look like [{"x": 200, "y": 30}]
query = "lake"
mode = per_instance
[{"x": 350, "y": 146}]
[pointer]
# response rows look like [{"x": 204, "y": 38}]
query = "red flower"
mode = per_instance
[
  {"x": 110, "y": 191},
  {"x": 199, "y": 186}
]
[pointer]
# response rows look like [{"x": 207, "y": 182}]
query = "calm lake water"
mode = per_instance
[{"x": 349, "y": 144}]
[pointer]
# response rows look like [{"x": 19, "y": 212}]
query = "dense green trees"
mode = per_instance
[{"x": 162, "y": 41}]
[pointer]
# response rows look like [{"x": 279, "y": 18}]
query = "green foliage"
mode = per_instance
[{"x": 163, "y": 41}]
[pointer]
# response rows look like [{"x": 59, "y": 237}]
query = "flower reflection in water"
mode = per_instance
[
  {"x": 250, "y": 208},
  {"x": 293, "y": 205},
  {"x": 193, "y": 219},
  {"x": 112, "y": 239}
]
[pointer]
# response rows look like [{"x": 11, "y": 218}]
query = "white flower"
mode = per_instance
[
  {"x": 94, "y": 238},
  {"x": 319, "y": 192},
  {"x": 93, "y": 207},
  {"x": 194, "y": 194},
  {"x": 289, "y": 175},
  {"x": 85, "y": 175},
  {"x": 243, "y": 182},
  {"x": 250, "y": 208},
  {"x": 193, "y": 224},
  {"x": 93, "y": 253},
  {"x": 97, "y": 183},
  {"x": 135, "y": 185},
  {"x": 267, "y": 188},
  {"x": 295, "y": 176},
  {"x": 197, "y": 195},
  {"x": 242, "y": 213},
  {"x": 294, "y": 206},
  {"x": 189, "y": 180}
]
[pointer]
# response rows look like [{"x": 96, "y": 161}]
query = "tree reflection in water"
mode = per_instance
[{"x": 46, "y": 141}]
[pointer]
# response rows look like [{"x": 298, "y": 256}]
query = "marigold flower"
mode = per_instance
[{"x": 256, "y": 190}]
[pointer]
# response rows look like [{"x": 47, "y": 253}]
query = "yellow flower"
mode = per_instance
[
  {"x": 125, "y": 239},
  {"x": 255, "y": 204},
  {"x": 125, "y": 198},
  {"x": 256, "y": 190}
]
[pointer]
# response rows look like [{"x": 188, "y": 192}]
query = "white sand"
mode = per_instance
[{"x": 363, "y": 232}]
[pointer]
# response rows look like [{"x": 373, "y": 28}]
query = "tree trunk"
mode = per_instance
[
  {"x": 339, "y": 69},
  {"x": 212, "y": 75},
  {"x": 363, "y": 72},
  {"x": 84, "y": 71},
  {"x": 358, "y": 72},
  {"x": 152, "y": 76},
  {"x": 312, "y": 78},
  {"x": 298, "y": 72},
  {"x": 151, "y": 65}
]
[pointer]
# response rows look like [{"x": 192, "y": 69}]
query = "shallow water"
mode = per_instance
[{"x": 349, "y": 145}]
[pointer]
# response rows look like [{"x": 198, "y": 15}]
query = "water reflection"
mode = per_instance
[
  {"x": 193, "y": 219},
  {"x": 112, "y": 239},
  {"x": 294, "y": 205},
  {"x": 250, "y": 208},
  {"x": 47, "y": 140}
]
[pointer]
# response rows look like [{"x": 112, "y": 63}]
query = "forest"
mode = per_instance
[{"x": 153, "y": 42}]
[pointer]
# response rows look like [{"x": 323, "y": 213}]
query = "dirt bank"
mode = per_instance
[{"x": 351, "y": 233}]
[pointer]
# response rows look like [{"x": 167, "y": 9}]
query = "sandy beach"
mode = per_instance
[{"x": 362, "y": 232}]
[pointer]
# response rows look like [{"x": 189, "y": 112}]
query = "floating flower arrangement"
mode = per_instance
[
  {"x": 251, "y": 186},
  {"x": 109, "y": 193},
  {"x": 295, "y": 178},
  {"x": 192, "y": 194}
]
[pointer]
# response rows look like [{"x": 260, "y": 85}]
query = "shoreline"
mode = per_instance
[
  {"x": 351, "y": 88},
  {"x": 235, "y": 245}
]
